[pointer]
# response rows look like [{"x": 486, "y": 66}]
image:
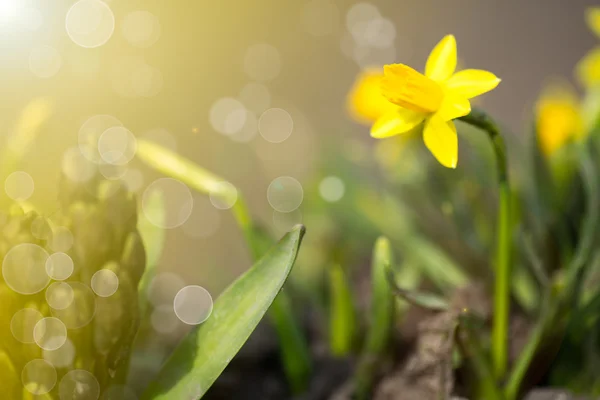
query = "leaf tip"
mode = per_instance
[{"x": 301, "y": 229}]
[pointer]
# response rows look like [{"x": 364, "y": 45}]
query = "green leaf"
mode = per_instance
[
  {"x": 342, "y": 315},
  {"x": 203, "y": 355},
  {"x": 175, "y": 166},
  {"x": 425, "y": 300},
  {"x": 382, "y": 313},
  {"x": 295, "y": 355},
  {"x": 153, "y": 237},
  {"x": 294, "y": 349},
  {"x": 392, "y": 218}
]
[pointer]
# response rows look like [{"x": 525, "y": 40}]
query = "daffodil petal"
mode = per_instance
[
  {"x": 442, "y": 60},
  {"x": 396, "y": 122},
  {"x": 441, "y": 139},
  {"x": 454, "y": 107},
  {"x": 471, "y": 83},
  {"x": 592, "y": 17},
  {"x": 588, "y": 69},
  {"x": 365, "y": 103}
]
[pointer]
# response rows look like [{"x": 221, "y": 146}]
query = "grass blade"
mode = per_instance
[
  {"x": 154, "y": 239},
  {"x": 382, "y": 312},
  {"x": 178, "y": 167},
  {"x": 199, "y": 360},
  {"x": 428, "y": 301},
  {"x": 342, "y": 315}
]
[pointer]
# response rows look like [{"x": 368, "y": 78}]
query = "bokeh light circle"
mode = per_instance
[
  {"x": 38, "y": 377},
  {"x": 44, "y": 61},
  {"x": 50, "y": 333},
  {"x": 285, "y": 194},
  {"x": 332, "y": 189},
  {"x": 248, "y": 131},
  {"x": 164, "y": 320},
  {"x": 224, "y": 195},
  {"x": 177, "y": 199},
  {"x": 59, "y": 266},
  {"x": 81, "y": 311},
  {"x": 24, "y": 268},
  {"x": 117, "y": 145},
  {"x": 227, "y": 116},
  {"x": 59, "y": 295},
  {"x": 361, "y": 13},
  {"x": 262, "y": 62},
  {"x": 105, "y": 283},
  {"x": 275, "y": 125},
  {"x": 141, "y": 28},
  {"x": 193, "y": 305},
  {"x": 62, "y": 357},
  {"x": 62, "y": 239},
  {"x": 112, "y": 172},
  {"x": 90, "y": 132},
  {"x": 19, "y": 186},
  {"x": 76, "y": 167},
  {"x": 90, "y": 23},
  {"x": 79, "y": 384},
  {"x": 22, "y": 324}
]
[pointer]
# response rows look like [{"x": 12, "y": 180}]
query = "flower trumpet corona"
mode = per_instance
[{"x": 436, "y": 98}]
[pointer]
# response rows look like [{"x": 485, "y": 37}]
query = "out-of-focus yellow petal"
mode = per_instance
[
  {"x": 588, "y": 69},
  {"x": 442, "y": 60},
  {"x": 558, "y": 117},
  {"x": 393, "y": 123},
  {"x": 441, "y": 139},
  {"x": 471, "y": 83},
  {"x": 365, "y": 102},
  {"x": 453, "y": 107},
  {"x": 592, "y": 17}
]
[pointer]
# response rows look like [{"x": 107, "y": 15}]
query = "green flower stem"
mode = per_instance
[{"x": 481, "y": 120}]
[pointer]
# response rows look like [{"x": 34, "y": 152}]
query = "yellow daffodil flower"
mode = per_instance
[
  {"x": 365, "y": 102},
  {"x": 588, "y": 69},
  {"x": 558, "y": 118},
  {"x": 436, "y": 98}
]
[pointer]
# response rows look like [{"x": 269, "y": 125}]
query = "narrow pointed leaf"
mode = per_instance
[
  {"x": 153, "y": 237},
  {"x": 382, "y": 319},
  {"x": 425, "y": 300},
  {"x": 178, "y": 167},
  {"x": 342, "y": 316},
  {"x": 203, "y": 355}
]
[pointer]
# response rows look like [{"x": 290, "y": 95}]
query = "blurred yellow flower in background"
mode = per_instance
[
  {"x": 588, "y": 69},
  {"x": 436, "y": 97},
  {"x": 558, "y": 117},
  {"x": 365, "y": 102}
]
